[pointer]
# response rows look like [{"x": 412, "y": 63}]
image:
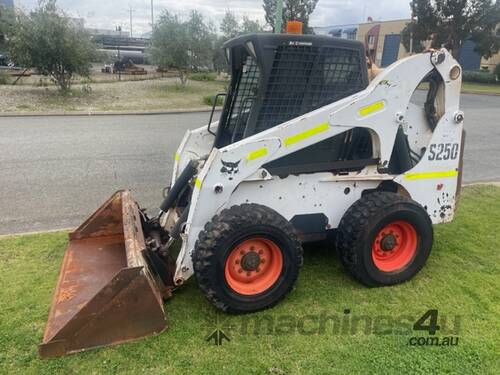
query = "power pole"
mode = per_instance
[
  {"x": 278, "y": 17},
  {"x": 131, "y": 11},
  {"x": 152, "y": 16},
  {"x": 363, "y": 19},
  {"x": 411, "y": 32}
]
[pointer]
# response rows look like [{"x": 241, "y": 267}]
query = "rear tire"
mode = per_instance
[
  {"x": 247, "y": 258},
  {"x": 384, "y": 239}
]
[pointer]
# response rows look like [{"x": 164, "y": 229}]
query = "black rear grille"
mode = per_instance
[{"x": 304, "y": 78}]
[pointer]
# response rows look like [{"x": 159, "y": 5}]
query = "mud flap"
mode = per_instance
[{"x": 106, "y": 294}]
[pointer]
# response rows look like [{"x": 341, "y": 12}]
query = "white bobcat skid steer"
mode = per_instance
[{"x": 304, "y": 147}]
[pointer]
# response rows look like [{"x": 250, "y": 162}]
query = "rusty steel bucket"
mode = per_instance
[{"x": 106, "y": 293}]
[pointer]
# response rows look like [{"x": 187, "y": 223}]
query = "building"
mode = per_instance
[
  {"x": 383, "y": 40},
  {"x": 384, "y": 43}
]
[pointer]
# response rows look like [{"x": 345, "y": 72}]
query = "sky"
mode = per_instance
[{"x": 107, "y": 14}]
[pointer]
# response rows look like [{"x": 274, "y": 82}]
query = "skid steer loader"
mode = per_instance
[{"x": 305, "y": 147}]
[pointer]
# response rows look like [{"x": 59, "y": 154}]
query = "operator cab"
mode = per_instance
[{"x": 278, "y": 77}]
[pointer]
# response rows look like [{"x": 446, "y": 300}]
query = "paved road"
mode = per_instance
[{"x": 54, "y": 171}]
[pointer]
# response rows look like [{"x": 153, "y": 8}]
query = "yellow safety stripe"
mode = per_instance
[
  {"x": 177, "y": 157},
  {"x": 306, "y": 134},
  {"x": 260, "y": 152},
  {"x": 374, "y": 107},
  {"x": 423, "y": 175},
  {"x": 197, "y": 183}
]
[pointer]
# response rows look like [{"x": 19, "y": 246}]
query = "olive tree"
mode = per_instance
[
  {"x": 7, "y": 17},
  {"x": 182, "y": 45},
  {"x": 47, "y": 40}
]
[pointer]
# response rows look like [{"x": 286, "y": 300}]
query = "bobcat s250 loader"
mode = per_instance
[{"x": 305, "y": 146}]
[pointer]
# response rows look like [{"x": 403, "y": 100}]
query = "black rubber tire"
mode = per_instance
[
  {"x": 361, "y": 223},
  {"x": 222, "y": 234}
]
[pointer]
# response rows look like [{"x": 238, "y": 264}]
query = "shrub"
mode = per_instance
[
  {"x": 479, "y": 77},
  {"x": 203, "y": 76},
  {"x": 4, "y": 79},
  {"x": 496, "y": 72},
  {"x": 42, "y": 82},
  {"x": 209, "y": 100}
]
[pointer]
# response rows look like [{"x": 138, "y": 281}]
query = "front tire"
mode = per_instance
[
  {"x": 384, "y": 239},
  {"x": 247, "y": 258}
]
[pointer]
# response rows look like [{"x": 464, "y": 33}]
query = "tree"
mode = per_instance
[
  {"x": 201, "y": 37},
  {"x": 169, "y": 44},
  {"x": 182, "y": 45},
  {"x": 7, "y": 17},
  {"x": 219, "y": 56},
  {"x": 229, "y": 25},
  {"x": 249, "y": 26},
  {"x": 293, "y": 10},
  {"x": 450, "y": 23},
  {"x": 46, "y": 40}
]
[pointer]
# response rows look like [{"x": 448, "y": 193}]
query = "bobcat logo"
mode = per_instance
[{"x": 230, "y": 168}]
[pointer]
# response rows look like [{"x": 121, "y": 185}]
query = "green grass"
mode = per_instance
[
  {"x": 147, "y": 95},
  {"x": 480, "y": 88},
  {"x": 460, "y": 278},
  {"x": 472, "y": 88}
]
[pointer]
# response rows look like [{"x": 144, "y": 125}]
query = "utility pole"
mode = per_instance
[
  {"x": 131, "y": 11},
  {"x": 411, "y": 31},
  {"x": 278, "y": 17},
  {"x": 152, "y": 17},
  {"x": 118, "y": 64}
]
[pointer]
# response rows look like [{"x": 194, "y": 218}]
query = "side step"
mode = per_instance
[{"x": 106, "y": 293}]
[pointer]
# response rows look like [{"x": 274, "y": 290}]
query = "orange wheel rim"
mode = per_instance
[
  {"x": 253, "y": 266},
  {"x": 394, "y": 246}
]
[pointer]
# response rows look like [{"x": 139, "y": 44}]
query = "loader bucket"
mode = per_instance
[{"x": 106, "y": 294}]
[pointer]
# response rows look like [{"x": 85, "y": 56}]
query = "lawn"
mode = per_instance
[
  {"x": 105, "y": 94},
  {"x": 480, "y": 88},
  {"x": 460, "y": 280},
  {"x": 160, "y": 94},
  {"x": 473, "y": 88}
]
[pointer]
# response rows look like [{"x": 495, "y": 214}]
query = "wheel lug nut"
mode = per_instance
[
  {"x": 237, "y": 262},
  {"x": 249, "y": 273},
  {"x": 252, "y": 247},
  {"x": 261, "y": 251},
  {"x": 242, "y": 252},
  {"x": 263, "y": 261},
  {"x": 240, "y": 270},
  {"x": 258, "y": 269}
]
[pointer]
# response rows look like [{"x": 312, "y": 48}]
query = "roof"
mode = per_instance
[{"x": 266, "y": 39}]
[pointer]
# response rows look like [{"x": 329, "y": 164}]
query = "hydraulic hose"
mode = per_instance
[{"x": 179, "y": 185}]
